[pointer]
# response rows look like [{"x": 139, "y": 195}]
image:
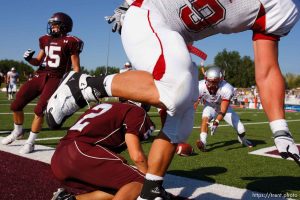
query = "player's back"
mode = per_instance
[
  {"x": 226, "y": 16},
  {"x": 106, "y": 124}
]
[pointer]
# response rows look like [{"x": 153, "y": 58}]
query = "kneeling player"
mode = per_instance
[{"x": 88, "y": 156}]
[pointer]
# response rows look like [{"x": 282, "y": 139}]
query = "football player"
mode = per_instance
[
  {"x": 216, "y": 94},
  {"x": 155, "y": 35},
  {"x": 127, "y": 67},
  {"x": 59, "y": 51},
  {"x": 12, "y": 80},
  {"x": 88, "y": 156}
]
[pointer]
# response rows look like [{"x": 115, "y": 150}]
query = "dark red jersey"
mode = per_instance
[
  {"x": 106, "y": 125},
  {"x": 58, "y": 52}
]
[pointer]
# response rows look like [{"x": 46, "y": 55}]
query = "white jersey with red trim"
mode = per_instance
[
  {"x": 12, "y": 77},
  {"x": 225, "y": 92},
  {"x": 198, "y": 19}
]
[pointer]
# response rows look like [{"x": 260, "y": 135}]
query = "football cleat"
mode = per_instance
[
  {"x": 27, "y": 148},
  {"x": 158, "y": 193},
  {"x": 62, "y": 194},
  {"x": 72, "y": 94},
  {"x": 243, "y": 140},
  {"x": 201, "y": 146},
  {"x": 11, "y": 138}
]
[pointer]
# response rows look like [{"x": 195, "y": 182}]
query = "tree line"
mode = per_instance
[{"x": 239, "y": 71}]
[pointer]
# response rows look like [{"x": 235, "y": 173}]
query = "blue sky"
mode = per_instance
[{"x": 23, "y": 22}]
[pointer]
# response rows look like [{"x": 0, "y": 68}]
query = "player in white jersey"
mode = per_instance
[
  {"x": 155, "y": 34},
  {"x": 215, "y": 93},
  {"x": 12, "y": 80}
]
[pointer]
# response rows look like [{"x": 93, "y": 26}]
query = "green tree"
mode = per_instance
[
  {"x": 104, "y": 70},
  {"x": 292, "y": 81},
  {"x": 238, "y": 71}
]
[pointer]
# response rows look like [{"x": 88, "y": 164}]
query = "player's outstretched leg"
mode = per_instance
[{"x": 73, "y": 93}]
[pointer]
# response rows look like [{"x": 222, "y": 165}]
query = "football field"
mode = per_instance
[{"x": 207, "y": 175}]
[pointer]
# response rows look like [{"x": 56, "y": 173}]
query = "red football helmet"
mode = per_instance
[
  {"x": 213, "y": 77},
  {"x": 64, "y": 22}
]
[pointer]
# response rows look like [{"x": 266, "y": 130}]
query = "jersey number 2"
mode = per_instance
[
  {"x": 82, "y": 123},
  {"x": 201, "y": 14}
]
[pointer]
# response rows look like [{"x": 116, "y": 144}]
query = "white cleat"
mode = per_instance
[
  {"x": 243, "y": 140},
  {"x": 9, "y": 139},
  {"x": 71, "y": 95},
  {"x": 27, "y": 148}
]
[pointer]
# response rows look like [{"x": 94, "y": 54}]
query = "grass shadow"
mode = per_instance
[{"x": 273, "y": 184}]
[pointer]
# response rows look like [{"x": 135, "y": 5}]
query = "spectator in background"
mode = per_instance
[{"x": 127, "y": 67}]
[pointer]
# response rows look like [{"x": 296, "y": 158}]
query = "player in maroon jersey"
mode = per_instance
[
  {"x": 59, "y": 51},
  {"x": 88, "y": 156}
]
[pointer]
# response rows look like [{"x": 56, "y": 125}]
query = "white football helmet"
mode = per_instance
[
  {"x": 127, "y": 65},
  {"x": 213, "y": 77}
]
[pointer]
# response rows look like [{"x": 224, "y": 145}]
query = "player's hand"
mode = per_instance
[
  {"x": 117, "y": 18},
  {"x": 213, "y": 125},
  {"x": 28, "y": 54},
  {"x": 286, "y": 146}
]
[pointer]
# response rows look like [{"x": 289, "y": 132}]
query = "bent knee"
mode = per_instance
[
  {"x": 39, "y": 111},
  {"x": 16, "y": 106}
]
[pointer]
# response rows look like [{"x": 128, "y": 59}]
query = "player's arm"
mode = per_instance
[
  {"x": 197, "y": 103},
  {"x": 34, "y": 61},
  {"x": 75, "y": 59},
  {"x": 223, "y": 109},
  {"x": 136, "y": 152}
]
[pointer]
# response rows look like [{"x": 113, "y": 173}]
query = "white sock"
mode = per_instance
[
  {"x": 18, "y": 129},
  {"x": 107, "y": 84},
  {"x": 32, "y": 137},
  {"x": 278, "y": 125},
  {"x": 153, "y": 177},
  {"x": 203, "y": 136}
]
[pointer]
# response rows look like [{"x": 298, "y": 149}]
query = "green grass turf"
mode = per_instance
[{"x": 226, "y": 162}]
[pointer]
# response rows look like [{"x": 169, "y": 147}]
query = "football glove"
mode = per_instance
[
  {"x": 117, "y": 17},
  {"x": 213, "y": 125},
  {"x": 286, "y": 146},
  {"x": 28, "y": 54}
]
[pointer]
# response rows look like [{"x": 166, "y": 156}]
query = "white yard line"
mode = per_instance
[{"x": 186, "y": 187}]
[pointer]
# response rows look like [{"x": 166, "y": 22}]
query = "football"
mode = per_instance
[{"x": 184, "y": 149}]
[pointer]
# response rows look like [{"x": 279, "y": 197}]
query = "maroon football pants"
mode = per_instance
[
  {"x": 42, "y": 85},
  {"x": 91, "y": 167}
]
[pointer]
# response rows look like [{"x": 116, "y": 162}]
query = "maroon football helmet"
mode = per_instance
[{"x": 64, "y": 22}]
